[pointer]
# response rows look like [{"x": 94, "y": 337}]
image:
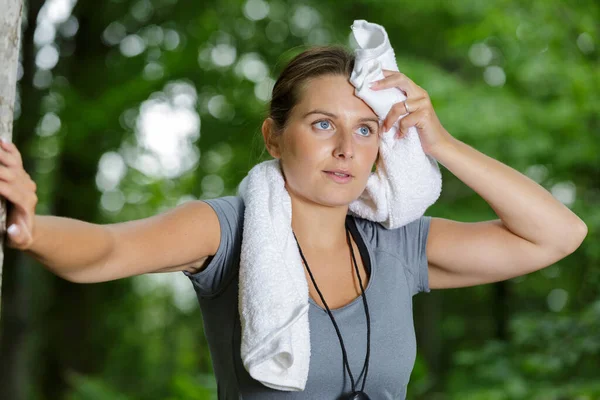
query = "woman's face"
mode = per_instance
[{"x": 329, "y": 129}]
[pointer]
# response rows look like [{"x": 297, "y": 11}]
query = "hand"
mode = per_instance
[
  {"x": 422, "y": 116},
  {"x": 18, "y": 188}
]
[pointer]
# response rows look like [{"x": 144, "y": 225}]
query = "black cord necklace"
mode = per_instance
[{"x": 356, "y": 394}]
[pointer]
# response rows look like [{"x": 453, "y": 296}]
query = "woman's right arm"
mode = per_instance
[{"x": 179, "y": 239}]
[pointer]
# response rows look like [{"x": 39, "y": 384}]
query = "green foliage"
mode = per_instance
[
  {"x": 550, "y": 353},
  {"x": 88, "y": 388},
  {"x": 519, "y": 81}
]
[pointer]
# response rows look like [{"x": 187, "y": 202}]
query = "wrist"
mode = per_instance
[
  {"x": 443, "y": 147},
  {"x": 30, "y": 247}
]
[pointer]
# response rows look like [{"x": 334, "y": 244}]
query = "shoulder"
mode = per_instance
[
  {"x": 227, "y": 205},
  {"x": 393, "y": 240},
  {"x": 230, "y": 213}
]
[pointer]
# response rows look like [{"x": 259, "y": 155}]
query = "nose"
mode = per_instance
[{"x": 345, "y": 146}]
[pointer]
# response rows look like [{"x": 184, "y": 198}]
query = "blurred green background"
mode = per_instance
[{"x": 128, "y": 108}]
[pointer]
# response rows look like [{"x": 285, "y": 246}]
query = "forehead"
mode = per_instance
[{"x": 333, "y": 93}]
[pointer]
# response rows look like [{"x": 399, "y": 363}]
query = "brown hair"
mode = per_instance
[{"x": 312, "y": 63}]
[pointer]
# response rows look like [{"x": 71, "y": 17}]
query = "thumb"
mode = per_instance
[{"x": 14, "y": 231}]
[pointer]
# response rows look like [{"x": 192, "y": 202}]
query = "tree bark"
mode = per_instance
[
  {"x": 10, "y": 34},
  {"x": 502, "y": 309},
  {"x": 16, "y": 317}
]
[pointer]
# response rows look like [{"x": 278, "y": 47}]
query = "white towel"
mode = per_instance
[
  {"x": 406, "y": 181},
  {"x": 273, "y": 291}
]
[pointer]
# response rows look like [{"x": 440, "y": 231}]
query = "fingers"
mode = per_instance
[
  {"x": 19, "y": 189},
  {"x": 412, "y": 119},
  {"x": 14, "y": 231},
  {"x": 399, "y": 109},
  {"x": 400, "y": 81},
  {"x": 416, "y": 97},
  {"x": 19, "y": 236},
  {"x": 15, "y": 183},
  {"x": 14, "y": 194},
  {"x": 16, "y": 175},
  {"x": 19, "y": 219},
  {"x": 6, "y": 174},
  {"x": 11, "y": 165},
  {"x": 9, "y": 154}
]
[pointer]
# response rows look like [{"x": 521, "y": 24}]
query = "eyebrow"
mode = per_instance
[{"x": 375, "y": 120}]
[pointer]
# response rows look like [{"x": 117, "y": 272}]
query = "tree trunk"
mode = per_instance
[
  {"x": 428, "y": 312},
  {"x": 501, "y": 309},
  {"x": 10, "y": 33},
  {"x": 16, "y": 314}
]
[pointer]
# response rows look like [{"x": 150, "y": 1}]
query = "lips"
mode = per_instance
[
  {"x": 340, "y": 172},
  {"x": 342, "y": 177}
]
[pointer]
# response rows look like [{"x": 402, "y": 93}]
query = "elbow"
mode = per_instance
[
  {"x": 75, "y": 277},
  {"x": 576, "y": 237}
]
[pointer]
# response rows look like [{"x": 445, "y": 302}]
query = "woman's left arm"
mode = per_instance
[{"x": 534, "y": 230}]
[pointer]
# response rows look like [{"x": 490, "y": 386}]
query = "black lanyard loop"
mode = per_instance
[{"x": 355, "y": 395}]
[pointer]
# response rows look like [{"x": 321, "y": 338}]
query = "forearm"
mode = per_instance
[
  {"x": 68, "y": 247},
  {"x": 525, "y": 208}
]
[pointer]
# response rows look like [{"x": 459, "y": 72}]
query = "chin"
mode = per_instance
[
  {"x": 339, "y": 198},
  {"x": 328, "y": 195}
]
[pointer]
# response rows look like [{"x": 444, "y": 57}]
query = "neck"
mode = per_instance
[{"x": 319, "y": 227}]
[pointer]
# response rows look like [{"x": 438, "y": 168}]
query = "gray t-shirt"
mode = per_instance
[{"x": 397, "y": 263}]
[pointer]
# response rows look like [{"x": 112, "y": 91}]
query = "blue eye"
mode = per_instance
[
  {"x": 366, "y": 130},
  {"x": 321, "y": 123},
  {"x": 324, "y": 124}
]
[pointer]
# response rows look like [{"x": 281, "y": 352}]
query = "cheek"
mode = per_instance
[
  {"x": 371, "y": 153},
  {"x": 299, "y": 156},
  {"x": 374, "y": 149},
  {"x": 304, "y": 149}
]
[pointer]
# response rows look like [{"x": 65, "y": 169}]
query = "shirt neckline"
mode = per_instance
[{"x": 367, "y": 256}]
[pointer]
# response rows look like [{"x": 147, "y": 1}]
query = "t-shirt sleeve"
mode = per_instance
[
  {"x": 414, "y": 243},
  {"x": 408, "y": 244},
  {"x": 220, "y": 268}
]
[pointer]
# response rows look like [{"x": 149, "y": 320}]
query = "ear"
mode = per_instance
[{"x": 271, "y": 139}]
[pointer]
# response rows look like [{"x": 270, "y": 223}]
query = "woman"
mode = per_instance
[{"x": 327, "y": 142}]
